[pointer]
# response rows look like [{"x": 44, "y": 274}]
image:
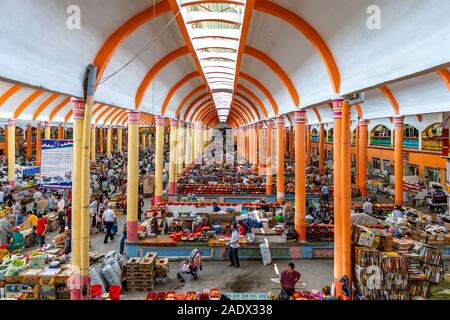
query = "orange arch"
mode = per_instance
[
  {"x": 232, "y": 118},
  {"x": 58, "y": 108},
  {"x": 237, "y": 117},
  {"x": 110, "y": 115},
  {"x": 239, "y": 112},
  {"x": 309, "y": 32},
  {"x": 10, "y": 92},
  {"x": 264, "y": 58},
  {"x": 44, "y": 105},
  {"x": 209, "y": 120},
  {"x": 238, "y": 103},
  {"x": 193, "y": 103},
  {"x": 246, "y": 99},
  {"x": 264, "y": 90},
  {"x": 118, "y": 115},
  {"x": 388, "y": 94},
  {"x": 444, "y": 74},
  {"x": 254, "y": 97},
  {"x": 121, "y": 118},
  {"x": 201, "y": 116},
  {"x": 116, "y": 39},
  {"x": 97, "y": 108},
  {"x": 247, "y": 112},
  {"x": 107, "y": 109},
  {"x": 27, "y": 102},
  {"x": 244, "y": 113},
  {"x": 200, "y": 109},
  {"x": 232, "y": 123},
  {"x": 177, "y": 86},
  {"x": 155, "y": 70},
  {"x": 187, "y": 98},
  {"x": 317, "y": 114},
  {"x": 359, "y": 111}
]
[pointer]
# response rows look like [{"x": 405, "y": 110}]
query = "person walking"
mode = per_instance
[
  {"x": 325, "y": 193},
  {"x": 109, "y": 219},
  {"x": 94, "y": 211},
  {"x": 124, "y": 237},
  {"x": 41, "y": 229},
  {"x": 234, "y": 247},
  {"x": 288, "y": 280}
]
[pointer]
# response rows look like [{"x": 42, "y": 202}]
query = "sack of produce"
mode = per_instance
[
  {"x": 265, "y": 253},
  {"x": 111, "y": 277},
  {"x": 96, "y": 278}
]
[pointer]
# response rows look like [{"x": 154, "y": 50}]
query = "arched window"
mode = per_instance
[
  {"x": 381, "y": 136},
  {"x": 315, "y": 135},
  {"x": 431, "y": 138},
  {"x": 410, "y": 137},
  {"x": 330, "y": 135}
]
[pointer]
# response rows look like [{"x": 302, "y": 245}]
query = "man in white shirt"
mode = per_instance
[
  {"x": 60, "y": 204},
  {"x": 368, "y": 207},
  {"x": 2, "y": 196},
  {"x": 109, "y": 219},
  {"x": 234, "y": 247}
]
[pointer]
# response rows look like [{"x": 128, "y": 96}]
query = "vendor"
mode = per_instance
[
  {"x": 289, "y": 215},
  {"x": 398, "y": 212},
  {"x": 17, "y": 240},
  {"x": 154, "y": 225},
  {"x": 6, "y": 225},
  {"x": 216, "y": 208},
  {"x": 264, "y": 206},
  {"x": 368, "y": 206}
]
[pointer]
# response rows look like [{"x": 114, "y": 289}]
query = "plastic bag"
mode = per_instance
[
  {"x": 111, "y": 277},
  {"x": 96, "y": 278}
]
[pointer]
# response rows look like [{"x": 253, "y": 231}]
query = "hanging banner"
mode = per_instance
[{"x": 56, "y": 164}]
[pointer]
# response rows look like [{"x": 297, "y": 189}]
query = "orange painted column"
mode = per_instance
[
  {"x": 254, "y": 147},
  {"x": 362, "y": 162},
  {"x": 291, "y": 143},
  {"x": 159, "y": 156},
  {"x": 269, "y": 156},
  {"x": 300, "y": 174},
  {"x": 101, "y": 140},
  {"x": 260, "y": 149},
  {"x": 321, "y": 146},
  {"x": 38, "y": 144},
  {"x": 60, "y": 132},
  {"x": 346, "y": 194},
  {"x": 398, "y": 160},
  {"x": 308, "y": 145},
  {"x": 280, "y": 157},
  {"x": 337, "y": 150},
  {"x": 357, "y": 154},
  {"x": 29, "y": 142}
]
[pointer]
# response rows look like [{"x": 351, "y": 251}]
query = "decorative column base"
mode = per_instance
[{"x": 85, "y": 287}]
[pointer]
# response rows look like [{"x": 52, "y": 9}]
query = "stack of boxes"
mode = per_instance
[
  {"x": 161, "y": 270},
  {"x": 140, "y": 273},
  {"x": 30, "y": 284},
  {"x": 47, "y": 289},
  {"x": 61, "y": 285}
]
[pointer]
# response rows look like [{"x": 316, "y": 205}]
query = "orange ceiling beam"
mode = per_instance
[
  {"x": 121, "y": 119},
  {"x": 161, "y": 64},
  {"x": 309, "y": 32},
  {"x": 36, "y": 94},
  {"x": 175, "y": 88},
  {"x": 58, "y": 108},
  {"x": 116, "y": 110},
  {"x": 108, "y": 49},
  {"x": 246, "y": 112},
  {"x": 200, "y": 109},
  {"x": 44, "y": 105},
  {"x": 359, "y": 111},
  {"x": 103, "y": 113},
  {"x": 390, "y": 96},
  {"x": 246, "y": 99},
  {"x": 9, "y": 93},
  {"x": 243, "y": 106},
  {"x": 275, "y": 67},
  {"x": 264, "y": 90},
  {"x": 189, "y": 96},
  {"x": 97, "y": 108},
  {"x": 244, "y": 118},
  {"x": 122, "y": 112},
  {"x": 444, "y": 74},
  {"x": 201, "y": 116},
  {"x": 193, "y": 103},
  {"x": 319, "y": 118},
  {"x": 254, "y": 97}
]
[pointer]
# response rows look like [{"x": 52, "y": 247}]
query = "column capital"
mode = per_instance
[
  {"x": 336, "y": 104},
  {"x": 399, "y": 120},
  {"x": 159, "y": 121},
  {"x": 363, "y": 122},
  {"x": 173, "y": 123},
  {"x": 300, "y": 116},
  {"x": 78, "y": 108},
  {"x": 47, "y": 124},
  {"x": 180, "y": 124},
  {"x": 133, "y": 117},
  {"x": 280, "y": 121},
  {"x": 39, "y": 125},
  {"x": 270, "y": 124},
  {"x": 11, "y": 122}
]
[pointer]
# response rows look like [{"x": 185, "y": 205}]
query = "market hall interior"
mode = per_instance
[{"x": 311, "y": 130}]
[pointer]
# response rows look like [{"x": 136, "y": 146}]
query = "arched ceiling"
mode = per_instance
[{"x": 249, "y": 60}]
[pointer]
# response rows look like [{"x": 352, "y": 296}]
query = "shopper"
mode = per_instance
[
  {"x": 2, "y": 195},
  {"x": 124, "y": 237},
  {"x": 398, "y": 212},
  {"x": 18, "y": 240},
  {"x": 94, "y": 211},
  {"x": 368, "y": 206},
  {"x": 234, "y": 247},
  {"x": 41, "y": 229},
  {"x": 6, "y": 226},
  {"x": 61, "y": 220},
  {"x": 325, "y": 193},
  {"x": 109, "y": 219},
  {"x": 288, "y": 281}
]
